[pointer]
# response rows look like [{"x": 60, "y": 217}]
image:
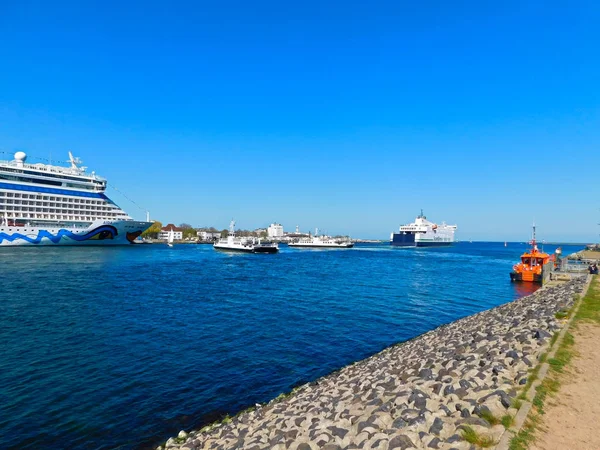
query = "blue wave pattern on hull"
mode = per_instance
[{"x": 110, "y": 230}]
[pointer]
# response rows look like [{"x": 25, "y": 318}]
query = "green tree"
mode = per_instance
[
  {"x": 224, "y": 233},
  {"x": 189, "y": 233},
  {"x": 153, "y": 231}
]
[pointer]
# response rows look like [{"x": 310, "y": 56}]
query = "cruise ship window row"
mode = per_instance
[
  {"x": 59, "y": 206},
  {"x": 52, "y": 198},
  {"x": 58, "y": 210},
  {"x": 45, "y": 180},
  {"x": 22, "y": 215}
]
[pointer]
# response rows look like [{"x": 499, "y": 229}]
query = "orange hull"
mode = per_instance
[{"x": 531, "y": 265}]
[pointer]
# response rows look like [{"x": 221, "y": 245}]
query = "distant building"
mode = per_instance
[
  {"x": 275, "y": 230},
  {"x": 208, "y": 235},
  {"x": 297, "y": 234},
  {"x": 177, "y": 232}
]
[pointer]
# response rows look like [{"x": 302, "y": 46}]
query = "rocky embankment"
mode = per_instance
[{"x": 419, "y": 394}]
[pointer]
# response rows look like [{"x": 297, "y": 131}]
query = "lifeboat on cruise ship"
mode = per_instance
[{"x": 532, "y": 264}]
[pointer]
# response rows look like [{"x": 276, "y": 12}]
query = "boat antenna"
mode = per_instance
[{"x": 533, "y": 242}]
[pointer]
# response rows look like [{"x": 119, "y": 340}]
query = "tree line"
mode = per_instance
[{"x": 190, "y": 232}]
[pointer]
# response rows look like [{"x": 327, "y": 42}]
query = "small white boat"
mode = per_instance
[
  {"x": 170, "y": 238},
  {"x": 233, "y": 243},
  {"x": 322, "y": 241}
]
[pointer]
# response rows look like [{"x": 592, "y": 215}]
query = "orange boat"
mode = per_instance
[{"x": 532, "y": 263}]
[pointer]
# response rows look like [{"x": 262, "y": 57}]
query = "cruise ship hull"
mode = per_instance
[
  {"x": 308, "y": 245},
  {"x": 408, "y": 240},
  {"x": 100, "y": 232}
]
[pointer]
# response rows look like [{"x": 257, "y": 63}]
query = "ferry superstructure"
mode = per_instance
[
  {"x": 44, "y": 204},
  {"x": 322, "y": 241},
  {"x": 423, "y": 233}
]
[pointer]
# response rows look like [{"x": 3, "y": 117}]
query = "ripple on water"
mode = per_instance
[{"x": 123, "y": 347}]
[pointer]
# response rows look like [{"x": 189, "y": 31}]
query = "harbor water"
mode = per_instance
[{"x": 123, "y": 347}]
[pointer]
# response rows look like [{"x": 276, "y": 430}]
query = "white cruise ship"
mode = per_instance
[
  {"x": 423, "y": 233},
  {"x": 322, "y": 241},
  {"x": 42, "y": 204}
]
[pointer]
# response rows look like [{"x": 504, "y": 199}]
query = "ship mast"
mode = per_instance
[{"x": 533, "y": 242}]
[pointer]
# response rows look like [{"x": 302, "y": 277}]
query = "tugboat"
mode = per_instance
[
  {"x": 233, "y": 243},
  {"x": 532, "y": 263}
]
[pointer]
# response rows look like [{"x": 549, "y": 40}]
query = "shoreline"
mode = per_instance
[{"x": 422, "y": 393}]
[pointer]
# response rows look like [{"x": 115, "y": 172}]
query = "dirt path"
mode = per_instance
[{"x": 571, "y": 419}]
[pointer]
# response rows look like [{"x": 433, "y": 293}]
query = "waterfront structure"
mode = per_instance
[
  {"x": 423, "y": 233},
  {"x": 275, "y": 231},
  {"x": 208, "y": 235},
  {"x": 171, "y": 230},
  {"x": 43, "y": 204},
  {"x": 244, "y": 244},
  {"x": 321, "y": 241}
]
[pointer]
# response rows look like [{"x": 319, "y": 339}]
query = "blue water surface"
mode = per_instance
[{"x": 123, "y": 347}]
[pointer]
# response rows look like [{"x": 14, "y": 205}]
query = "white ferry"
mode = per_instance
[
  {"x": 235, "y": 243},
  {"x": 423, "y": 233},
  {"x": 42, "y": 204},
  {"x": 322, "y": 241}
]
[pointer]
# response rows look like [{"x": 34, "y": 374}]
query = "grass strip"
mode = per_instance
[
  {"x": 588, "y": 312},
  {"x": 474, "y": 438}
]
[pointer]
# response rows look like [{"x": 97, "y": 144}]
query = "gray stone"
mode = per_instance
[
  {"x": 426, "y": 374},
  {"x": 453, "y": 438},
  {"x": 420, "y": 403},
  {"x": 434, "y": 443},
  {"x": 541, "y": 334},
  {"x": 402, "y": 442},
  {"x": 481, "y": 409},
  {"x": 303, "y": 446},
  {"x": 398, "y": 423},
  {"x": 446, "y": 410},
  {"x": 506, "y": 401},
  {"x": 419, "y": 420},
  {"x": 437, "y": 426},
  {"x": 337, "y": 432},
  {"x": 363, "y": 425},
  {"x": 448, "y": 390},
  {"x": 465, "y": 384},
  {"x": 474, "y": 421},
  {"x": 465, "y": 413},
  {"x": 512, "y": 354},
  {"x": 461, "y": 393}
]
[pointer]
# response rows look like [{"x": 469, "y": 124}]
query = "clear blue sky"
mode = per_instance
[{"x": 347, "y": 116}]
